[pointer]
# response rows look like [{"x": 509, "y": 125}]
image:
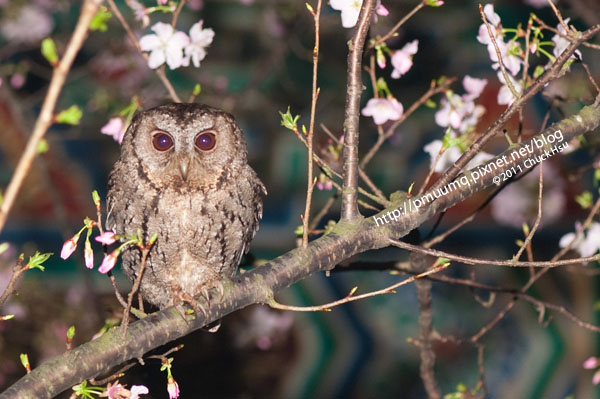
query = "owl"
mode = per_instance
[{"x": 183, "y": 175}]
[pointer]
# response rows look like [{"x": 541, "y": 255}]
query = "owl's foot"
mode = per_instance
[
  {"x": 216, "y": 285},
  {"x": 184, "y": 297}
]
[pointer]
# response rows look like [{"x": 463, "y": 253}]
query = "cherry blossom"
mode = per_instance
[
  {"x": 106, "y": 238},
  {"x": 587, "y": 244},
  {"x": 460, "y": 112},
  {"x": 402, "y": 60},
  {"x": 172, "y": 388},
  {"x": 473, "y": 87},
  {"x": 69, "y": 247},
  {"x": 505, "y": 95},
  {"x": 199, "y": 40},
  {"x": 561, "y": 43},
  {"x": 383, "y": 110},
  {"x": 517, "y": 203},
  {"x": 109, "y": 261},
  {"x": 166, "y": 45},
  {"x": 137, "y": 390},
  {"x": 351, "y": 8},
  {"x": 537, "y": 3},
  {"x": 88, "y": 255},
  {"x": 115, "y": 129},
  {"x": 451, "y": 155},
  {"x": 590, "y": 363},
  {"x": 508, "y": 51}
]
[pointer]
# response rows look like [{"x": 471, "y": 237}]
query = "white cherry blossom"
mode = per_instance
[
  {"x": 199, "y": 40},
  {"x": 383, "y": 110},
  {"x": 166, "y": 45}
]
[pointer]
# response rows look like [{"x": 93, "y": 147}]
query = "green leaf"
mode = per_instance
[
  {"x": 71, "y": 332},
  {"x": 42, "y": 146},
  {"x": 49, "y": 51},
  {"x": 584, "y": 199},
  {"x": 197, "y": 89},
  {"x": 539, "y": 70},
  {"x": 70, "y": 116},
  {"x": 99, "y": 20},
  {"x": 299, "y": 231},
  {"x": 289, "y": 121},
  {"x": 430, "y": 103},
  {"x": 35, "y": 261},
  {"x": 96, "y": 198},
  {"x": 24, "y": 360}
]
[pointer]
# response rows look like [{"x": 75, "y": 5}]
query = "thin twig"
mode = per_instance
[
  {"x": 136, "y": 286},
  {"x": 18, "y": 271},
  {"x": 177, "y": 12},
  {"x": 351, "y": 298},
  {"x": 477, "y": 261},
  {"x": 537, "y": 219},
  {"x": 311, "y": 129},
  {"x": 399, "y": 24},
  {"x": 46, "y": 117},
  {"x": 353, "y": 92}
]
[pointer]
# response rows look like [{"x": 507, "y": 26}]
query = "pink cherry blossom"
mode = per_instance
[
  {"x": 172, "y": 388},
  {"x": 590, "y": 363},
  {"x": 473, "y": 87},
  {"x": 115, "y": 391},
  {"x": 351, "y": 9},
  {"x": 114, "y": 128},
  {"x": 166, "y": 45},
  {"x": 200, "y": 39},
  {"x": 383, "y": 110},
  {"x": 88, "y": 255},
  {"x": 402, "y": 60},
  {"x": 109, "y": 261},
  {"x": 596, "y": 378},
  {"x": 137, "y": 390},
  {"x": 69, "y": 247},
  {"x": 505, "y": 95},
  {"x": 106, "y": 238},
  {"x": 561, "y": 44}
]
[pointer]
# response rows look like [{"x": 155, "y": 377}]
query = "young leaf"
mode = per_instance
[
  {"x": 70, "y": 116},
  {"x": 49, "y": 51}
]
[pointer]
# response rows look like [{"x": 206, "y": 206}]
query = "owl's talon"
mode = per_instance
[{"x": 205, "y": 293}]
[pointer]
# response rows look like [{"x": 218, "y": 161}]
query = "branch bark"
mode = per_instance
[
  {"x": 258, "y": 285},
  {"x": 354, "y": 88}
]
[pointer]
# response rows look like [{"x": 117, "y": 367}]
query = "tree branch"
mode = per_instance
[
  {"x": 354, "y": 88},
  {"x": 256, "y": 286},
  {"x": 46, "y": 117}
]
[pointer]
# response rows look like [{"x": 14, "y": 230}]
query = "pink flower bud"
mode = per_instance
[
  {"x": 109, "y": 261},
  {"x": 69, "y": 247},
  {"x": 381, "y": 10},
  {"x": 590, "y": 363},
  {"x": 88, "y": 255},
  {"x": 596, "y": 378},
  {"x": 173, "y": 388},
  {"x": 106, "y": 238}
]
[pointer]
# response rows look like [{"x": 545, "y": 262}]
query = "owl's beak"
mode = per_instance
[{"x": 184, "y": 168}]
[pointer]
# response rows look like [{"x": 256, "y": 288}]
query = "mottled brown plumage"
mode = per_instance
[{"x": 204, "y": 203}]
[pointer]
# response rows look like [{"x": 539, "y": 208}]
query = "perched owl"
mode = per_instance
[{"x": 183, "y": 174}]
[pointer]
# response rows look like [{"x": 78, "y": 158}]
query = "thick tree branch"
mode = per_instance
[
  {"x": 354, "y": 88},
  {"x": 260, "y": 284}
]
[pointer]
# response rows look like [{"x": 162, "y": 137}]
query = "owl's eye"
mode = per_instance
[
  {"x": 162, "y": 141},
  {"x": 206, "y": 141}
]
